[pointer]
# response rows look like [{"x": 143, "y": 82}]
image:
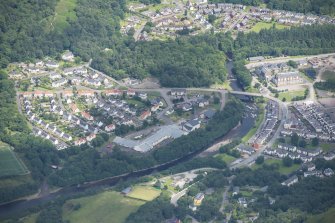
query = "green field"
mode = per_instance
[
  {"x": 144, "y": 193},
  {"x": 326, "y": 147},
  {"x": 265, "y": 25},
  {"x": 64, "y": 11},
  {"x": 291, "y": 94},
  {"x": 226, "y": 158},
  {"x": 105, "y": 207},
  {"x": 326, "y": 217},
  {"x": 10, "y": 165},
  {"x": 328, "y": 75},
  {"x": 282, "y": 169}
]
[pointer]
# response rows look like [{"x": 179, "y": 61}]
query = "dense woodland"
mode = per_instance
[{"x": 184, "y": 62}]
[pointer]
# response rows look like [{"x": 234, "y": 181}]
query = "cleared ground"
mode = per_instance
[
  {"x": 106, "y": 207},
  {"x": 266, "y": 25},
  {"x": 144, "y": 193},
  {"x": 10, "y": 164},
  {"x": 282, "y": 169}
]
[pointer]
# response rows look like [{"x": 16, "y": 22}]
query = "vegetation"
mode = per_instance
[
  {"x": 170, "y": 61},
  {"x": 109, "y": 206},
  {"x": 304, "y": 40},
  {"x": 329, "y": 83},
  {"x": 144, "y": 193},
  {"x": 266, "y": 25},
  {"x": 10, "y": 165}
]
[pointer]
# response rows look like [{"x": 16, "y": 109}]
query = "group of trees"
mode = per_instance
[
  {"x": 305, "y": 40},
  {"x": 185, "y": 62}
]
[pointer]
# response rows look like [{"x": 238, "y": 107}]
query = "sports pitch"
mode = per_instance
[{"x": 10, "y": 164}]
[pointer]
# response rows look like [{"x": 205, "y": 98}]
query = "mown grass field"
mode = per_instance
[
  {"x": 266, "y": 25},
  {"x": 289, "y": 95},
  {"x": 144, "y": 193},
  {"x": 226, "y": 158},
  {"x": 282, "y": 169},
  {"x": 64, "y": 11},
  {"x": 105, "y": 207},
  {"x": 10, "y": 164},
  {"x": 326, "y": 217}
]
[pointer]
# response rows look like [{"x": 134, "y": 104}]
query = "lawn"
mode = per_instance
[
  {"x": 144, "y": 193},
  {"x": 326, "y": 147},
  {"x": 282, "y": 169},
  {"x": 10, "y": 164},
  {"x": 64, "y": 11},
  {"x": 289, "y": 95},
  {"x": 105, "y": 207},
  {"x": 326, "y": 217},
  {"x": 328, "y": 75},
  {"x": 265, "y": 25},
  {"x": 226, "y": 158}
]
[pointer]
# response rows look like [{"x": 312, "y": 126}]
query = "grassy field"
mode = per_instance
[
  {"x": 265, "y": 25},
  {"x": 290, "y": 94},
  {"x": 106, "y": 207},
  {"x": 64, "y": 11},
  {"x": 226, "y": 158},
  {"x": 328, "y": 75},
  {"x": 144, "y": 193},
  {"x": 326, "y": 147},
  {"x": 326, "y": 217},
  {"x": 10, "y": 165},
  {"x": 282, "y": 169}
]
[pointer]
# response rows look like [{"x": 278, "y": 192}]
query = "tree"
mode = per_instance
[
  {"x": 295, "y": 139},
  {"x": 302, "y": 143},
  {"x": 292, "y": 63},
  {"x": 260, "y": 160},
  {"x": 287, "y": 161},
  {"x": 211, "y": 19},
  {"x": 315, "y": 141}
]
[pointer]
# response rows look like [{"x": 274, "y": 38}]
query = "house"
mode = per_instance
[
  {"x": 236, "y": 190},
  {"x": 74, "y": 108},
  {"x": 51, "y": 65},
  {"x": 329, "y": 156},
  {"x": 202, "y": 102},
  {"x": 142, "y": 95},
  {"x": 313, "y": 173},
  {"x": 68, "y": 56},
  {"x": 87, "y": 93},
  {"x": 68, "y": 71},
  {"x": 287, "y": 78},
  {"x": 91, "y": 137},
  {"x": 245, "y": 149},
  {"x": 66, "y": 94},
  {"x": 310, "y": 166},
  {"x": 55, "y": 76},
  {"x": 126, "y": 191},
  {"x": 187, "y": 107},
  {"x": 145, "y": 115},
  {"x": 178, "y": 92},
  {"x": 93, "y": 82},
  {"x": 209, "y": 113},
  {"x": 67, "y": 137},
  {"x": 113, "y": 92},
  {"x": 328, "y": 172},
  {"x": 243, "y": 202},
  {"x": 290, "y": 181},
  {"x": 131, "y": 92},
  {"x": 76, "y": 80},
  {"x": 59, "y": 83},
  {"x": 80, "y": 141},
  {"x": 155, "y": 107},
  {"x": 198, "y": 199},
  {"x": 87, "y": 116},
  {"x": 110, "y": 128},
  {"x": 191, "y": 125}
]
